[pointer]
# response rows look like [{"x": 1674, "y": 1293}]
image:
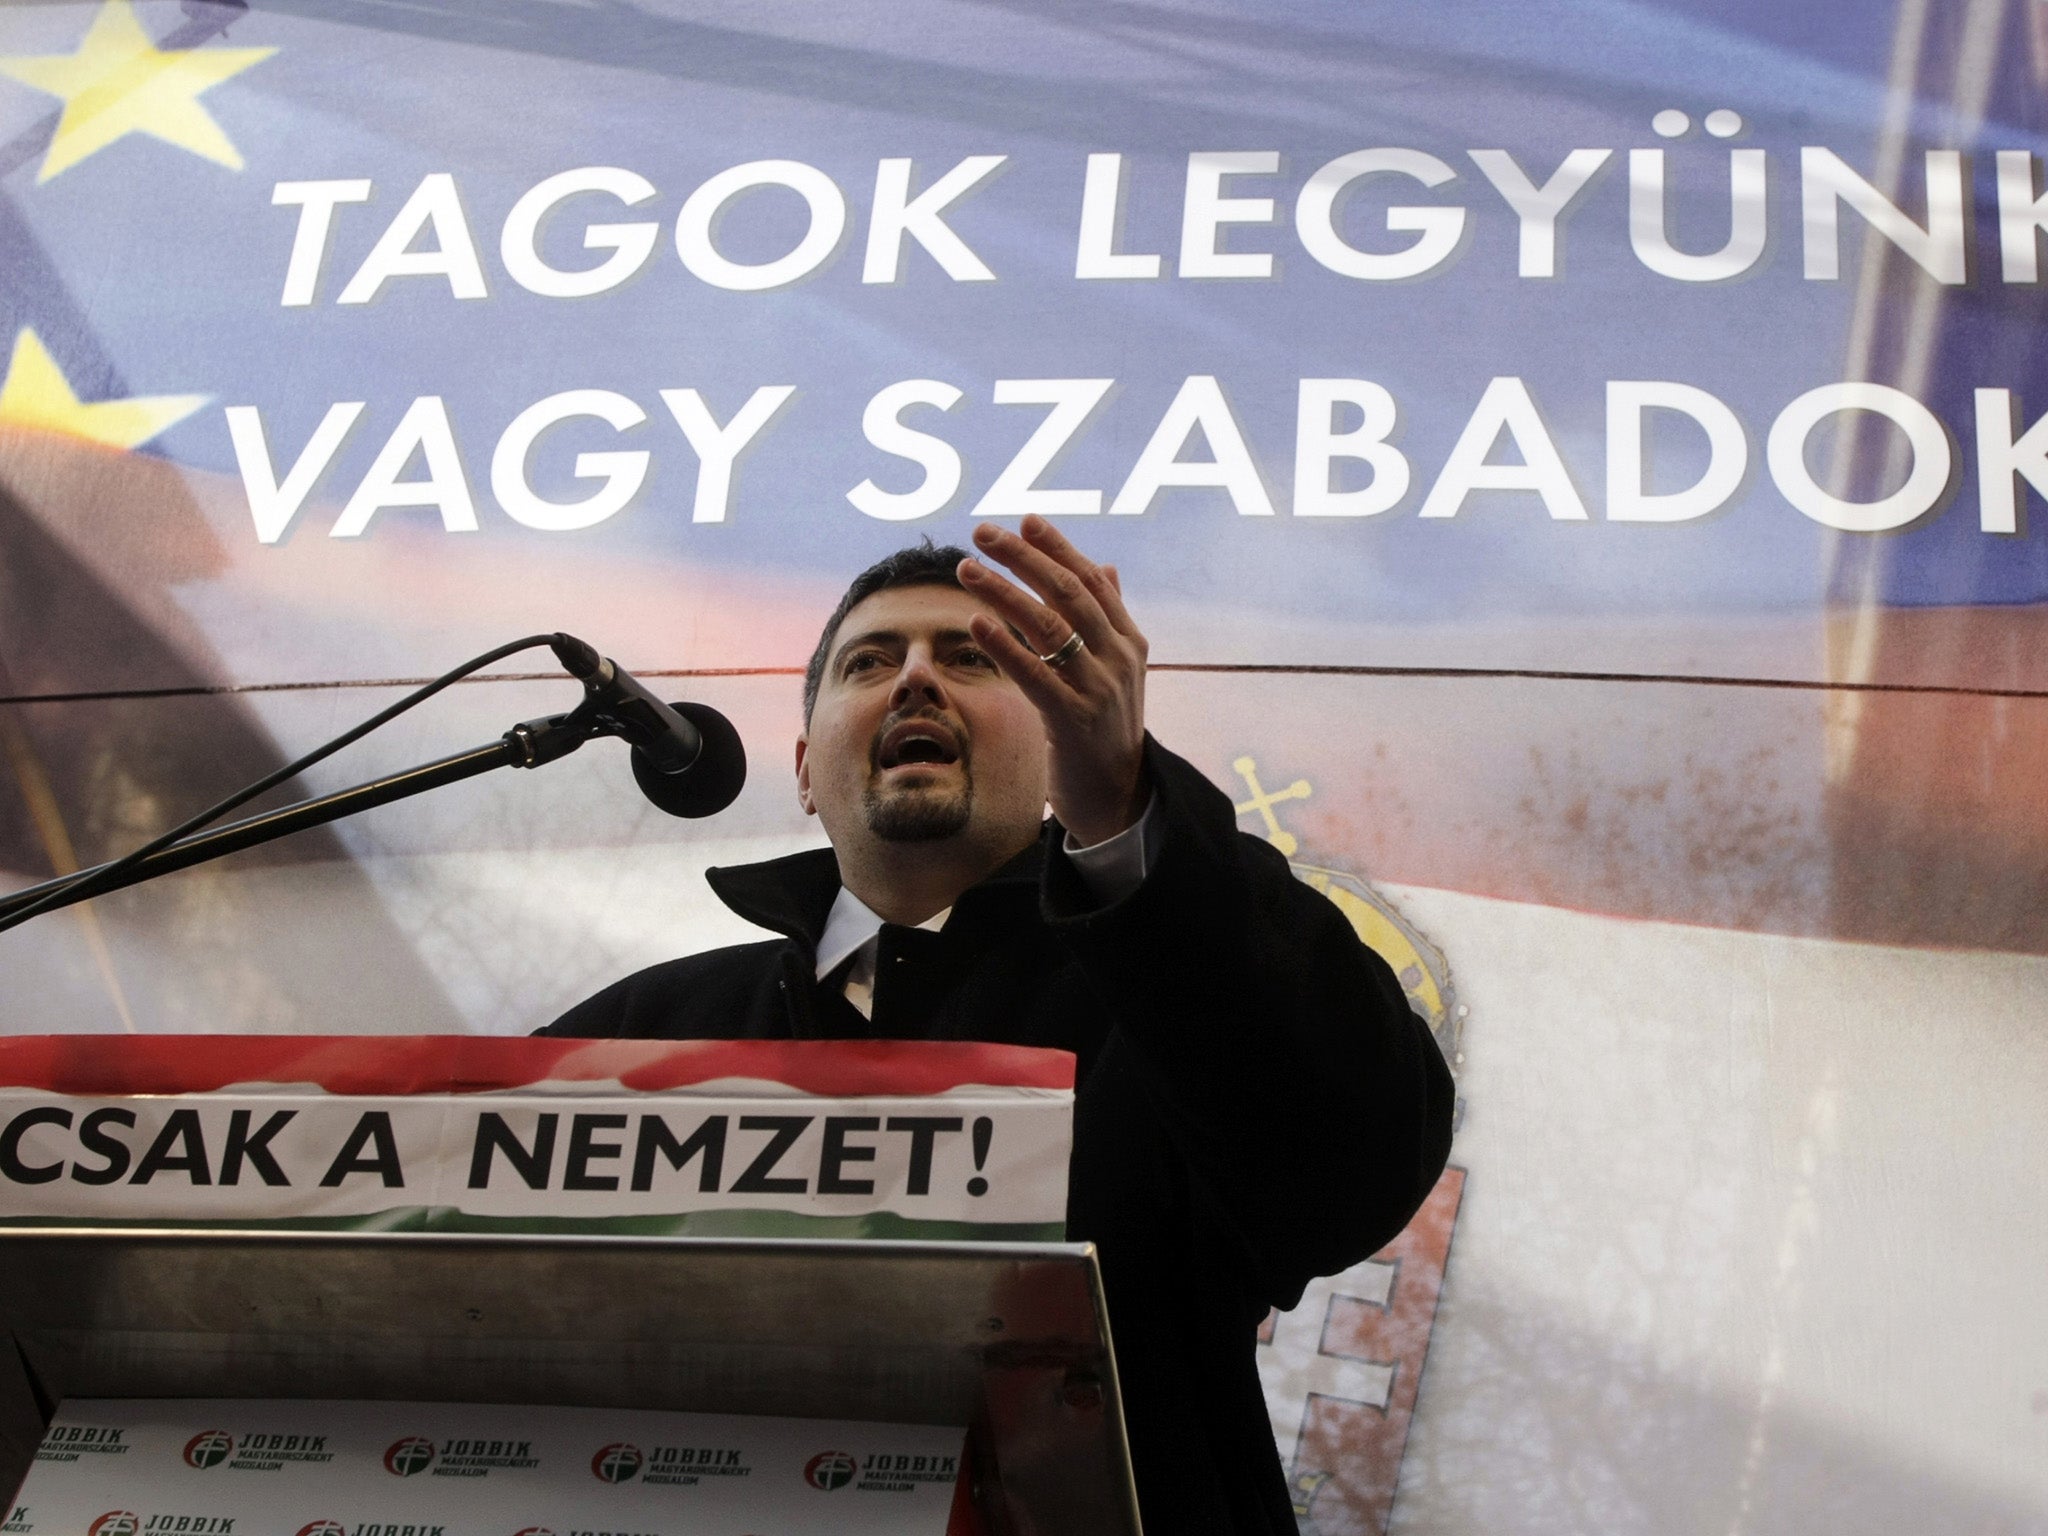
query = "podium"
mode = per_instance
[{"x": 1007, "y": 1339}]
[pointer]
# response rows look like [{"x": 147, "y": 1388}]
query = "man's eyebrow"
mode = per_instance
[{"x": 865, "y": 637}]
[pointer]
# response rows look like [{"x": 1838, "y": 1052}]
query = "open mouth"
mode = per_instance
[{"x": 917, "y": 743}]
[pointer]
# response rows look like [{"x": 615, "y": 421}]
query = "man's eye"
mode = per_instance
[
  {"x": 973, "y": 656},
  {"x": 862, "y": 661}
]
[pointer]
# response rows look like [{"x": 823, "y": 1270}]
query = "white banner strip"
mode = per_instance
[{"x": 979, "y": 1156}]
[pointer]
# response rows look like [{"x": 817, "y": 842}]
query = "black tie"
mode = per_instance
[
  {"x": 911, "y": 977},
  {"x": 836, "y": 1018}
]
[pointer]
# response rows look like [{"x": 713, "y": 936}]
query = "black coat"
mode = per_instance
[{"x": 1256, "y": 1103}]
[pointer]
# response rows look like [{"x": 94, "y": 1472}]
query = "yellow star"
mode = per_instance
[
  {"x": 36, "y": 394},
  {"x": 119, "y": 82}
]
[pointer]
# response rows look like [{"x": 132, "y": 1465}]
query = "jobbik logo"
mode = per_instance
[
  {"x": 674, "y": 1466},
  {"x": 829, "y": 1471},
  {"x": 261, "y": 1451},
  {"x": 617, "y": 1463},
  {"x": 209, "y": 1448},
  {"x": 457, "y": 1456},
  {"x": 409, "y": 1457},
  {"x": 370, "y": 1528},
  {"x": 126, "y": 1522}
]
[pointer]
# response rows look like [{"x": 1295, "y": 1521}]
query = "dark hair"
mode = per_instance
[{"x": 921, "y": 565}]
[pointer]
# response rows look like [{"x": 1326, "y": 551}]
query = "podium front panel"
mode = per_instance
[{"x": 1009, "y": 1338}]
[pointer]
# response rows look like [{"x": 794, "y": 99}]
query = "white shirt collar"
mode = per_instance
[{"x": 852, "y": 925}]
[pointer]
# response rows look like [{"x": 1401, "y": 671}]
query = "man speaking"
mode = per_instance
[{"x": 1256, "y": 1104}]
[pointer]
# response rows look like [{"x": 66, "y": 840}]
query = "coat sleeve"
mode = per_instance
[{"x": 1311, "y": 1104}]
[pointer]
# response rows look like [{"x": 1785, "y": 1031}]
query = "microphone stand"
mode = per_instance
[{"x": 529, "y": 744}]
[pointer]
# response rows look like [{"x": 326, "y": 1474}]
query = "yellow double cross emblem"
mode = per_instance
[{"x": 1263, "y": 804}]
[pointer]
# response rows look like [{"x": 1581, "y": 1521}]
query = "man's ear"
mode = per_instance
[{"x": 803, "y": 776}]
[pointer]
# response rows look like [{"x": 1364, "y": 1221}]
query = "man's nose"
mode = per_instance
[{"x": 917, "y": 680}]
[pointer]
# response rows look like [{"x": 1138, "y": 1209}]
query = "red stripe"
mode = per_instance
[{"x": 112, "y": 1065}]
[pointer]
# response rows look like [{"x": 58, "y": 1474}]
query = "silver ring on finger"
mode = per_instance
[{"x": 1066, "y": 652}]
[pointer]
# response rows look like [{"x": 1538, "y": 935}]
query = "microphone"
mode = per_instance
[{"x": 687, "y": 758}]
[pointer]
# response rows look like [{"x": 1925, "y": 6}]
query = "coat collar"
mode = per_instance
[{"x": 793, "y": 895}]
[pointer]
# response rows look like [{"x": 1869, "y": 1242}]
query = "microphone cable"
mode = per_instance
[{"x": 75, "y": 889}]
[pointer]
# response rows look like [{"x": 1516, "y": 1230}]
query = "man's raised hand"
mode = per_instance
[{"x": 1093, "y": 703}]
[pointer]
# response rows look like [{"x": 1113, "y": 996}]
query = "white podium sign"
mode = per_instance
[{"x": 270, "y": 1467}]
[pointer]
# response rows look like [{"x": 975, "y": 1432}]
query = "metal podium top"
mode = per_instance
[{"x": 1012, "y": 1339}]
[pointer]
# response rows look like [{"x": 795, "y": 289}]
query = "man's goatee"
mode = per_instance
[{"x": 918, "y": 818}]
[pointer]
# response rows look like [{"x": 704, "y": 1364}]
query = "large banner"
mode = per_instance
[
  {"x": 721, "y": 1138},
  {"x": 1580, "y": 467}
]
